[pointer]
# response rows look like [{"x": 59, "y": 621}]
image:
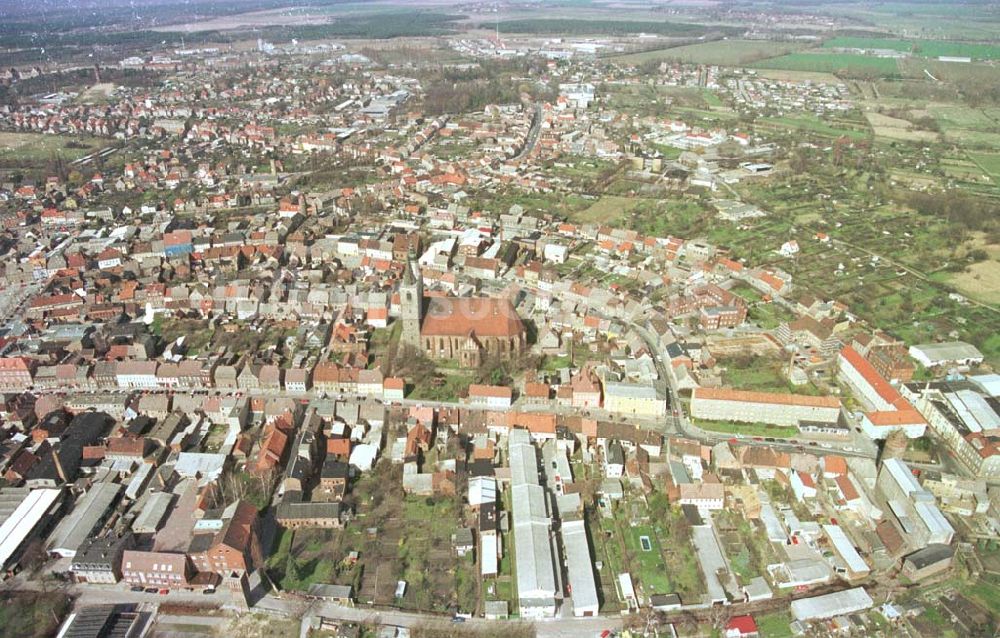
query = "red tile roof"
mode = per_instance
[
  {"x": 834, "y": 464},
  {"x": 449, "y": 316},
  {"x": 895, "y": 418},
  {"x": 494, "y": 391},
  {"x": 744, "y": 624},
  {"x": 743, "y": 396},
  {"x": 878, "y": 383},
  {"x": 846, "y": 488}
]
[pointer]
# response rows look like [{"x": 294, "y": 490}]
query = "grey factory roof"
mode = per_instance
[
  {"x": 829, "y": 605},
  {"x": 579, "y": 569},
  {"x": 87, "y": 514}
]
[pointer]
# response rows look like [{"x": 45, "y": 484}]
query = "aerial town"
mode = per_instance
[{"x": 490, "y": 319}]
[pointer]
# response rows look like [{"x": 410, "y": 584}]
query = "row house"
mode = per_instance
[
  {"x": 16, "y": 373},
  {"x": 137, "y": 374}
]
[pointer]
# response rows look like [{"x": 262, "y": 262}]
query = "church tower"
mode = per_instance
[{"x": 411, "y": 303}]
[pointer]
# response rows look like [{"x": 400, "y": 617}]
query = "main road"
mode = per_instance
[
  {"x": 532, "y": 139},
  {"x": 294, "y": 607}
]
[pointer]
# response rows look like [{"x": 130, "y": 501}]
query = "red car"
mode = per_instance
[{"x": 164, "y": 591}]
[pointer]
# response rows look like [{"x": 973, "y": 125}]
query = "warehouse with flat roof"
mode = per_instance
[
  {"x": 31, "y": 513},
  {"x": 579, "y": 570},
  {"x": 88, "y": 515},
  {"x": 838, "y": 603},
  {"x": 534, "y": 552}
]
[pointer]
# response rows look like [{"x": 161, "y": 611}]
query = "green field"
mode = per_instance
[
  {"x": 841, "y": 63},
  {"x": 974, "y": 128},
  {"x": 945, "y": 20},
  {"x": 569, "y": 27},
  {"x": 32, "y": 148},
  {"x": 609, "y": 209},
  {"x": 775, "y": 625},
  {"x": 967, "y": 117},
  {"x": 923, "y": 48},
  {"x": 747, "y": 429},
  {"x": 722, "y": 52},
  {"x": 989, "y": 162},
  {"x": 761, "y": 375},
  {"x": 652, "y": 570},
  {"x": 813, "y": 124}
]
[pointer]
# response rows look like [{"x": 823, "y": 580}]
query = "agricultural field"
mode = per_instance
[
  {"x": 898, "y": 129},
  {"x": 836, "y": 63},
  {"x": 921, "y": 48},
  {"x": 989, "y": 162},
  {"x": 571, "y": 27},
  {"x": 980, "y": 279},
  {"x": 813, "y": 124},
  {"x": 788, "y": 75},
  {"x": 941, "y": 20},
  {"x": 973, "y": 128},
  {"x": 722, "y": 52}
]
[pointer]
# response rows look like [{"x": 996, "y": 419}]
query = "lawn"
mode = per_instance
[
  {"x": 762, "y": 377},
  {"x": 747, "y": 429},
  {"x": 775, "y": 625},
  {"x": 609, "y": 209},
  {"x": 302, "y": 558},
  {"x": 197, "y": 333},
  {"x": 554, "y": 364},
  {"x": 838, "y": 63},
  {"x": 383, "y": 339},
  {"x": 450, "y": 386},
  {"x": 985, "y": 593},
  {"x": 769, "y": 315},
  {"x": 652, "y": 570}
]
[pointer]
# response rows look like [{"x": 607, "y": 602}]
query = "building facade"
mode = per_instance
[{"x": 465, "y": 329}]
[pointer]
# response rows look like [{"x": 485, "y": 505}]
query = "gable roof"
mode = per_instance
[{"x": 449, "y": 316}]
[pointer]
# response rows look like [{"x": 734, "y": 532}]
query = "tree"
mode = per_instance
[{"x": 292, "y": 574}]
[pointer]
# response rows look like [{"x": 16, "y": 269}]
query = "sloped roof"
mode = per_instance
[{"x": 447, "y": 316}]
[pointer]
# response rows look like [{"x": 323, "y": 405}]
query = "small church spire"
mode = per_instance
[{"x": 411, "y": 302}]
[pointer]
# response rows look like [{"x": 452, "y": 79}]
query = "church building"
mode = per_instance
[{"x": 464, "y": 329}]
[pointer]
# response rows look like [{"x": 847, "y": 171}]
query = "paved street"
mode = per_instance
[{"x": 556, "y": 628}]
